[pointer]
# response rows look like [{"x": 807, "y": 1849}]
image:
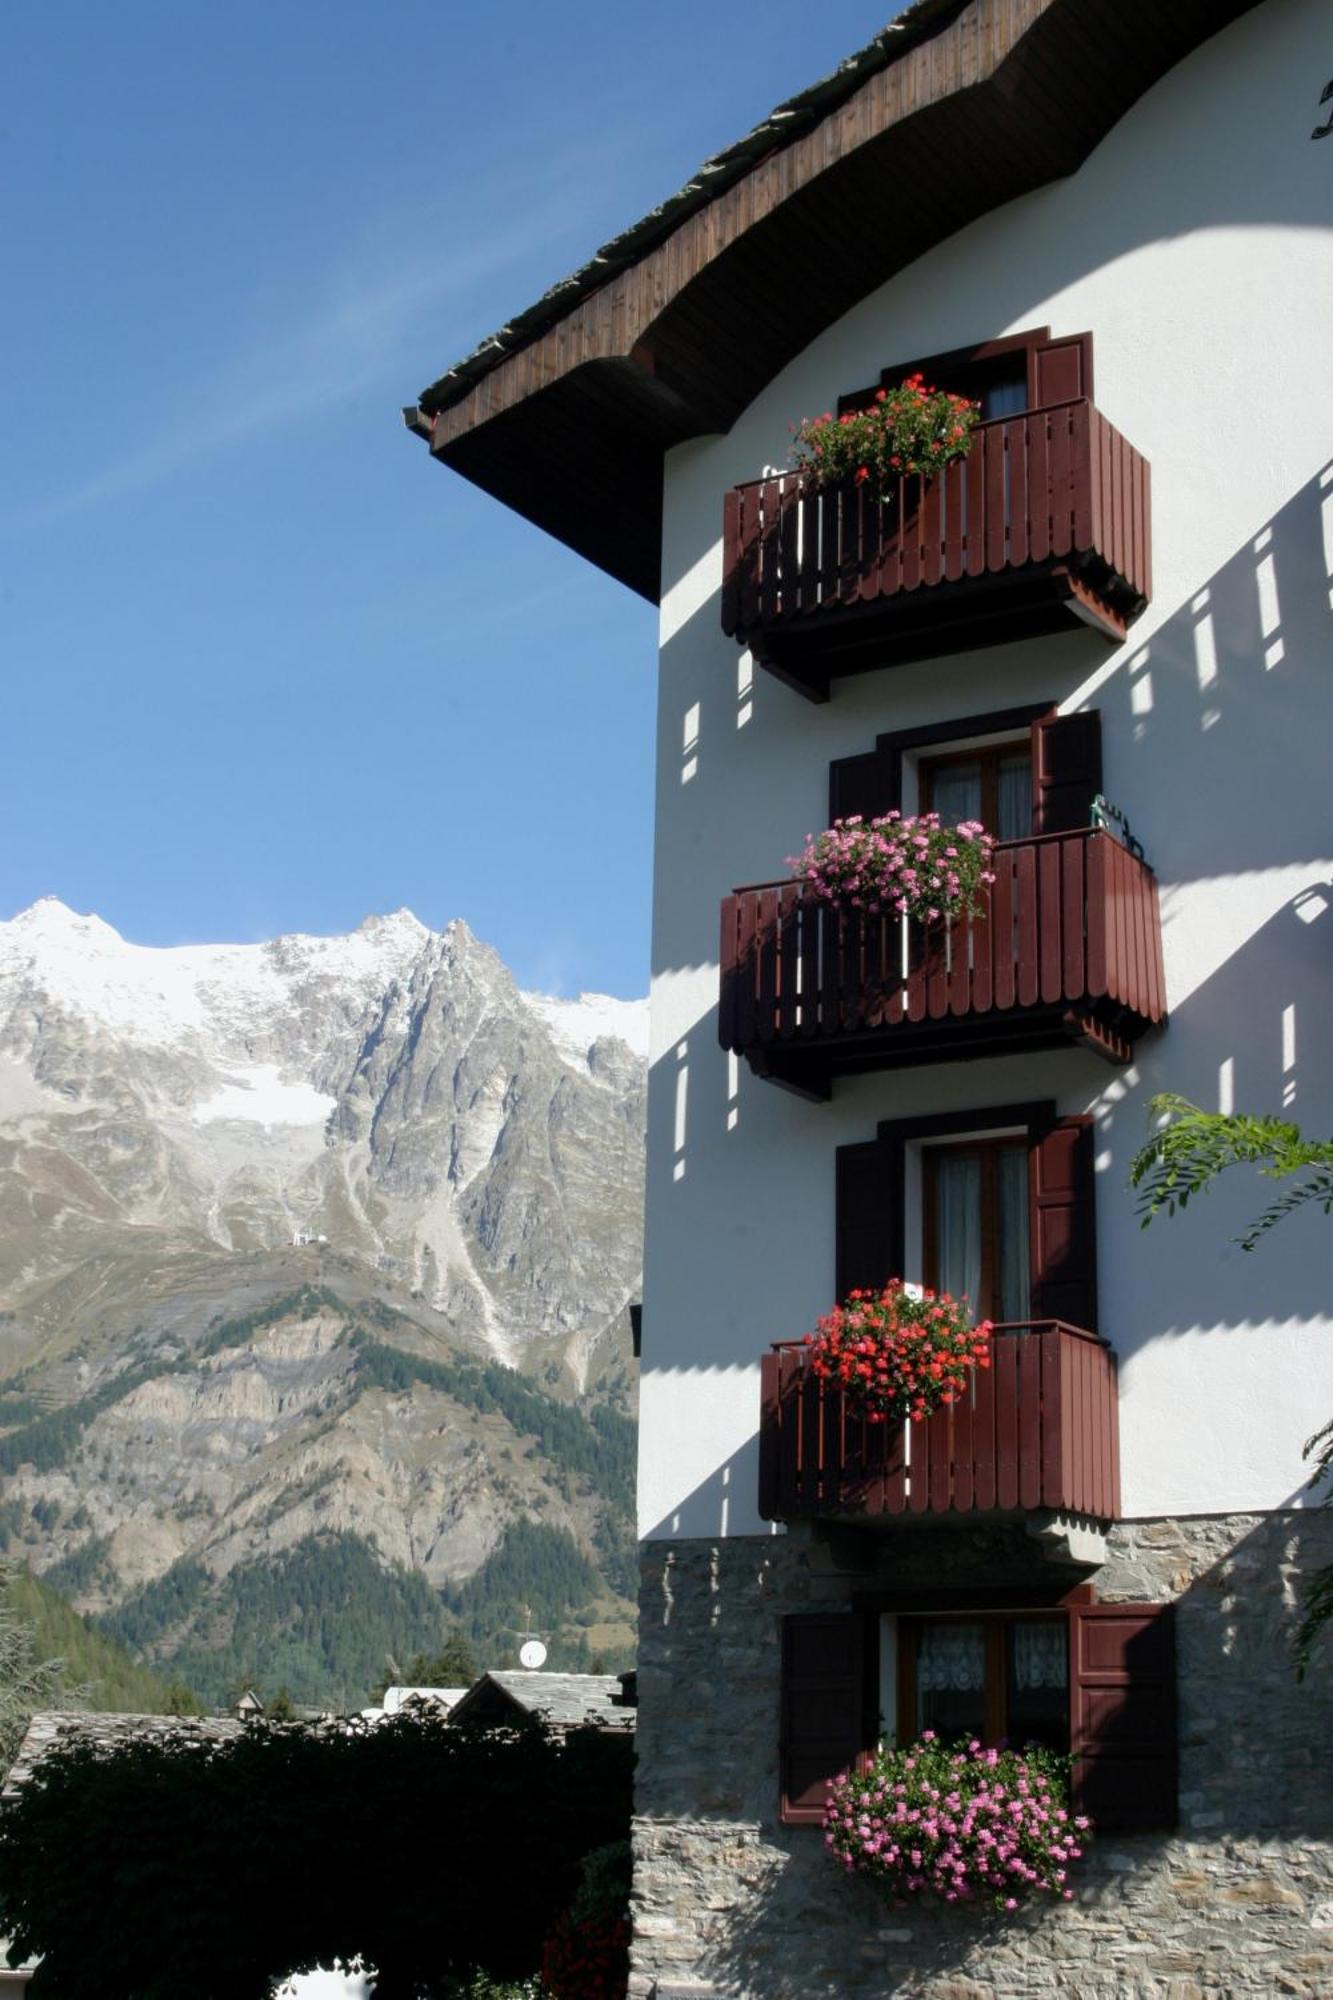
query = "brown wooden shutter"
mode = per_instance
[
  {"x": 865, "y": 785},
  {"x": 870, "y": 1218},
  {"x": 1066, "y": 770},
  {"x": 1060, "y": 371},
  {"x": 1123, "y": 1715},
  {"x": 1063, "y": 1223},
  {"x": 824, "y": 1677}
]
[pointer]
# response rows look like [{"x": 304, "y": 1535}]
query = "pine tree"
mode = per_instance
[{"x": 27, "y": 1683}]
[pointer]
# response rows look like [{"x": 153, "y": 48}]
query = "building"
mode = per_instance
[
  {"x": 563, "y": 1701},
  {"x": 77, "y": 1728},
  {"x": 1107, "y": 223},
  {"x": 440, "y": 1700}
]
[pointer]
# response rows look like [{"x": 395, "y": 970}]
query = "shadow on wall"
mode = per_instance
[
  {"x": 1236, "y": 1887},
  {"x": 1218, "y": 725},
  {"x": 1266, "y": 1007},
  {"x": 730, "y": 1490}
]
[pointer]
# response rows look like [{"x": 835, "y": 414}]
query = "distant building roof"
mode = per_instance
[
  {"x": 566, "y": 1701},
  {"x": 54, "y": 1728},
  {"x": 396, "y": 1698}
]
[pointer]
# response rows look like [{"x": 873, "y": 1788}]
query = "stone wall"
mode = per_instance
[{"x": 1238, "y": 1903}]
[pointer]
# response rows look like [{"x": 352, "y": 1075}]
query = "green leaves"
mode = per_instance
[
  {"x": 1184, "y": 1158},
  {"x": 1193, "y": 1147}
]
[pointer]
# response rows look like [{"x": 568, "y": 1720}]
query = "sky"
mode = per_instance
[{"x": 266, "y": 667}]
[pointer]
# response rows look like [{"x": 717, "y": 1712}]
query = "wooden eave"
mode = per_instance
[{"x": 569, "y": 426}]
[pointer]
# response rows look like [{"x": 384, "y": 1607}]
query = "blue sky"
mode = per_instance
[{"x": 266, "y": 667}]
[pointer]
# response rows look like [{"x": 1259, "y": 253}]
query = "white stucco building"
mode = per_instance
[{"x": 1111, "y": 226}]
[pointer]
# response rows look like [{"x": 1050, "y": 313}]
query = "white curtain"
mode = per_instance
[
  {"x": 951, "y": 1658},
  {"x": 1012, "y": 1201},
  {"x": 1039, "y": 1656},
  {"x": 958, "y": 1225},
  {"x": 956, "y": 793},
  {"x": 1014, "y": 797}
]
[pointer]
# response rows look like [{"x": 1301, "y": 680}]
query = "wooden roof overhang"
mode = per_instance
[{"x": 674, "y": 328}]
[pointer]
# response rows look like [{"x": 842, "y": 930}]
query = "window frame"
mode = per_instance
[
  {"x": 872, "y": 1210},
  {"x": 996, "y": 1625},
  {"x": 1122, "y": 1679}
]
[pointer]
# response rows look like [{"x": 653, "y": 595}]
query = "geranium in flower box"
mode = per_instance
[
  {"x": 958, "y": 1824},
  {"x": 587, "y": 1958},
  {"x": 907, "y": 430},
  {"x": 916, "y": 867},
  {"x": 899, "y": 1355}
]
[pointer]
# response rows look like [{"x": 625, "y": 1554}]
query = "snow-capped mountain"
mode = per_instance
[
  {"x": 390, "y": 1093},
  {"x": 269, "y": 1214}
]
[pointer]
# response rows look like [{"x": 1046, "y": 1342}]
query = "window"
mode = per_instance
[
  {"x": 1005, "y": 1680},
  {"x": 1054, "y": 1216},
  {"x": 1097, "y": 1680},
  {"x": 1049, "y": 791},
  {"x": 993, "y": 785},
  {"x": 976, "y": 1239},
  {"x": 1021, "y": 371}
]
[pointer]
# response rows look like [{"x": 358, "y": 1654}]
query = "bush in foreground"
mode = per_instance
[{"x": 427, "y": 1849}]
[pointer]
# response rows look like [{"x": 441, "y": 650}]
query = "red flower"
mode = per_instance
[{"x": 898, "y": 1357}]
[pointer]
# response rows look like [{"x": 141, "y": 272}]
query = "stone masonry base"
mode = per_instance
[{"x": 1236, "y": 1905}]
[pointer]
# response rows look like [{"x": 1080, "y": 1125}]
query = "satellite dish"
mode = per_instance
[{"x": 532, "y": 1654}]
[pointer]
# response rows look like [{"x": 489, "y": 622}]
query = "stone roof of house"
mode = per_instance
[
  {"x": 566, "y": 1701},
  {"x": 52, "y": 1728}
]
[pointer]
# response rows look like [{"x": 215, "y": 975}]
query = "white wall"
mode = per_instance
[{"x": 1195, "y": 243}]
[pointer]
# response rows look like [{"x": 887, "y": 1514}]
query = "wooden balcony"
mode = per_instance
[
  {"x": 1039, "y": 1431},
  {"x": 1067, "y": 947},
  {"x": 1045, "y": 524}
]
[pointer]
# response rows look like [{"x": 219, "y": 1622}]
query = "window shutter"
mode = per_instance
[
  {"x": 870, "y": 1218},
  {"x": 870, "y": 784},
  {"x": 1066, "y": 770},
  {"x": 1123, "y": 1715},
  {"x": 1061, "y": 371},
  {"x": 823, "y": 1703},
  {"x": 1063, "y": 1223}
]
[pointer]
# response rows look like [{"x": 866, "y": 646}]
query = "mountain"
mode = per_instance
[{"x": 313, "y": 1254}]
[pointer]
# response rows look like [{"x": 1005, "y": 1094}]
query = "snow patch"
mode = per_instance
[
  {"x": 260, "y": 1097},
  {"x": 157, "y": 994},
  {"x": 577, "y": 1024}
]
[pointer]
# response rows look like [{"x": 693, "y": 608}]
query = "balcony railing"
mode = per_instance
[
  {"x": 1044, "y": 523},
  {"x": 1039, "y": 1430},
  {"x": 1066, "y": 947}
]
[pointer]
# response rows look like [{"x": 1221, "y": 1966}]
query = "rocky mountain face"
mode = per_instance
[{"x": 324, "y": 1243}]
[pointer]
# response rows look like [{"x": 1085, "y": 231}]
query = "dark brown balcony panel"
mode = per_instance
[
  {"x": 1039, "y": 1430},
  {"x": 1067, "y": 947},
  {"x": 1044, "y": 525}
]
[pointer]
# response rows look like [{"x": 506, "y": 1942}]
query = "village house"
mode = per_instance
[
  {"x": 1105, "y": 632},
  {"x": 561, "y": 1701}
]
